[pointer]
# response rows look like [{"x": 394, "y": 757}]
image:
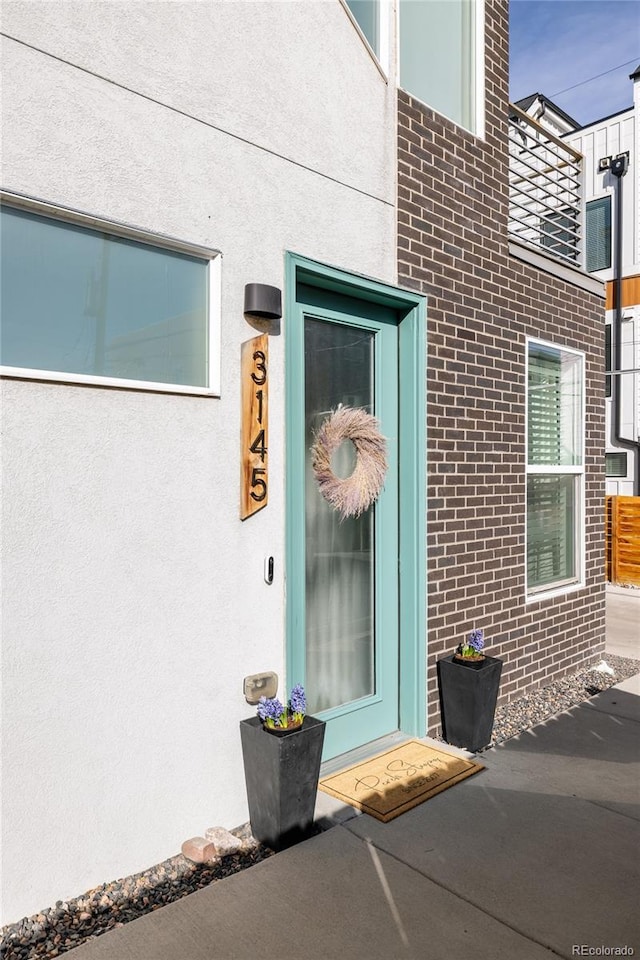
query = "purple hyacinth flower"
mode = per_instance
[
  {"x": 270, "y": 711},
  {"x": 298, "y": 700}
]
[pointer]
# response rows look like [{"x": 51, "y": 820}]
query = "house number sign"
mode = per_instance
[{"x": 254, "y": 480}]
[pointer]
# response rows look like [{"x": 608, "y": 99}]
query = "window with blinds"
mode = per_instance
[
  {"x": 615, "y": 464},
  {"x": 555, "y": 429},
  {"x": 598, "y": 234}
]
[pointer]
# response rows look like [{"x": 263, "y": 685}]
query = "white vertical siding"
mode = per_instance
[{"x": 607, "y": 139}]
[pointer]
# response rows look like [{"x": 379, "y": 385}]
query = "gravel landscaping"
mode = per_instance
[
  {"x": 555, "y": 697},
  {"x": 66, "y": 925}
]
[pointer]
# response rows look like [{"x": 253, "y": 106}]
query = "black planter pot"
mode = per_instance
[
  {"x": 468, "y": 696},
  {"x": 281, "y": 775}
]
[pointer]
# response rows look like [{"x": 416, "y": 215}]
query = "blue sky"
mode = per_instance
[{"x": 556, "y": 44}]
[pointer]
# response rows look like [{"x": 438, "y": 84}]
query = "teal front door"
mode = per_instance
[
  {"x": 346, "y": 650},
  {"x": 356, "y": 588}
]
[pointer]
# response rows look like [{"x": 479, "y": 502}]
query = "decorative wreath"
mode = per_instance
[{"x": 350, "y": 496}]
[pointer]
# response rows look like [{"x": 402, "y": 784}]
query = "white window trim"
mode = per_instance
[
  {"x": 214, "y": 258},
  {"x": 571, "y": 586},
  {"x": 381, "y": 61},
  {"x": 479, "y": 67},
  {"x": 480, "y": 17}
]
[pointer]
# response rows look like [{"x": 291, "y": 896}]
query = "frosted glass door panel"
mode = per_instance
[{"x": 339, "y": 574}]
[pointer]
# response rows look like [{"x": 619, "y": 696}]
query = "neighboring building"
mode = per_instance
[
  {"x": 547, "y": 113},
  {"x": 156, "y": 159},
  {"x": 545, "y": 203},
  {"x": 601, "y": 142}
]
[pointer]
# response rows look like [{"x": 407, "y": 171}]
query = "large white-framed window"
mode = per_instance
[
  {"x": 441, "y": 57},
  {"x": 555, "y": 537},
  {"x": 84, "y": 300}
]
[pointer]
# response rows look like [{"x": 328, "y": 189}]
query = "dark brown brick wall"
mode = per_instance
[{"x": 482, "y": 303}]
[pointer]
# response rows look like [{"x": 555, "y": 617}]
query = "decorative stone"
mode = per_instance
[
  {"x": 224, "y": 842},
  {"x": 198, "y": 850},
  {"x": 603, "y": 667}
]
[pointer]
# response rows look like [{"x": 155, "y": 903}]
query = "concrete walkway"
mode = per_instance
[
  {"x": 623, "y": 622},
  {"x": 535, "y": 857}
]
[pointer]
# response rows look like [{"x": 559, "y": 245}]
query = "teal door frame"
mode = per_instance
[
  {"x": 367, "y": 716},
  {"x": 410, "y": 308}
]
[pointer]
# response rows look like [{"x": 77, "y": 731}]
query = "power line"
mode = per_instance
[{"x": 597, "y": 77}]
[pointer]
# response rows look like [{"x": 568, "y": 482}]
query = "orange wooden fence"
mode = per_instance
[{"x": 622, "y": 538}]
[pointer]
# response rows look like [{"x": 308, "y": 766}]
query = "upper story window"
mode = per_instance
[
  {"x": 106, "y": 305},
  {"x": 441, "y": 53},
  {"x": 559, "y": 234},
  {"x": 598, "y": 234}
]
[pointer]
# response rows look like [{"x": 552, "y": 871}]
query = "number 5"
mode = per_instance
[{"x": 257, "y": 481}]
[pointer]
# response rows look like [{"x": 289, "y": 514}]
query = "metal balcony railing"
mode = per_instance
[{"x": 545, "y": 189}]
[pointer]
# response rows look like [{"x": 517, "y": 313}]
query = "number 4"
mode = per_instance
[{"x": 258, "y": 446}]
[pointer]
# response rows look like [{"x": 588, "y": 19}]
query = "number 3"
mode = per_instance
[{"x": 260, "y": 359}]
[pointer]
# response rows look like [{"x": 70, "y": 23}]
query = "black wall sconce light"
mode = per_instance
[{"x": 263, "y": 307}]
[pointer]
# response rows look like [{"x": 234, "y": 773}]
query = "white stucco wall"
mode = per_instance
[{"x": 133, "y": 597}]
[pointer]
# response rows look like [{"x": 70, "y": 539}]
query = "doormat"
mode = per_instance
[{"x": 397, "y": 780}]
